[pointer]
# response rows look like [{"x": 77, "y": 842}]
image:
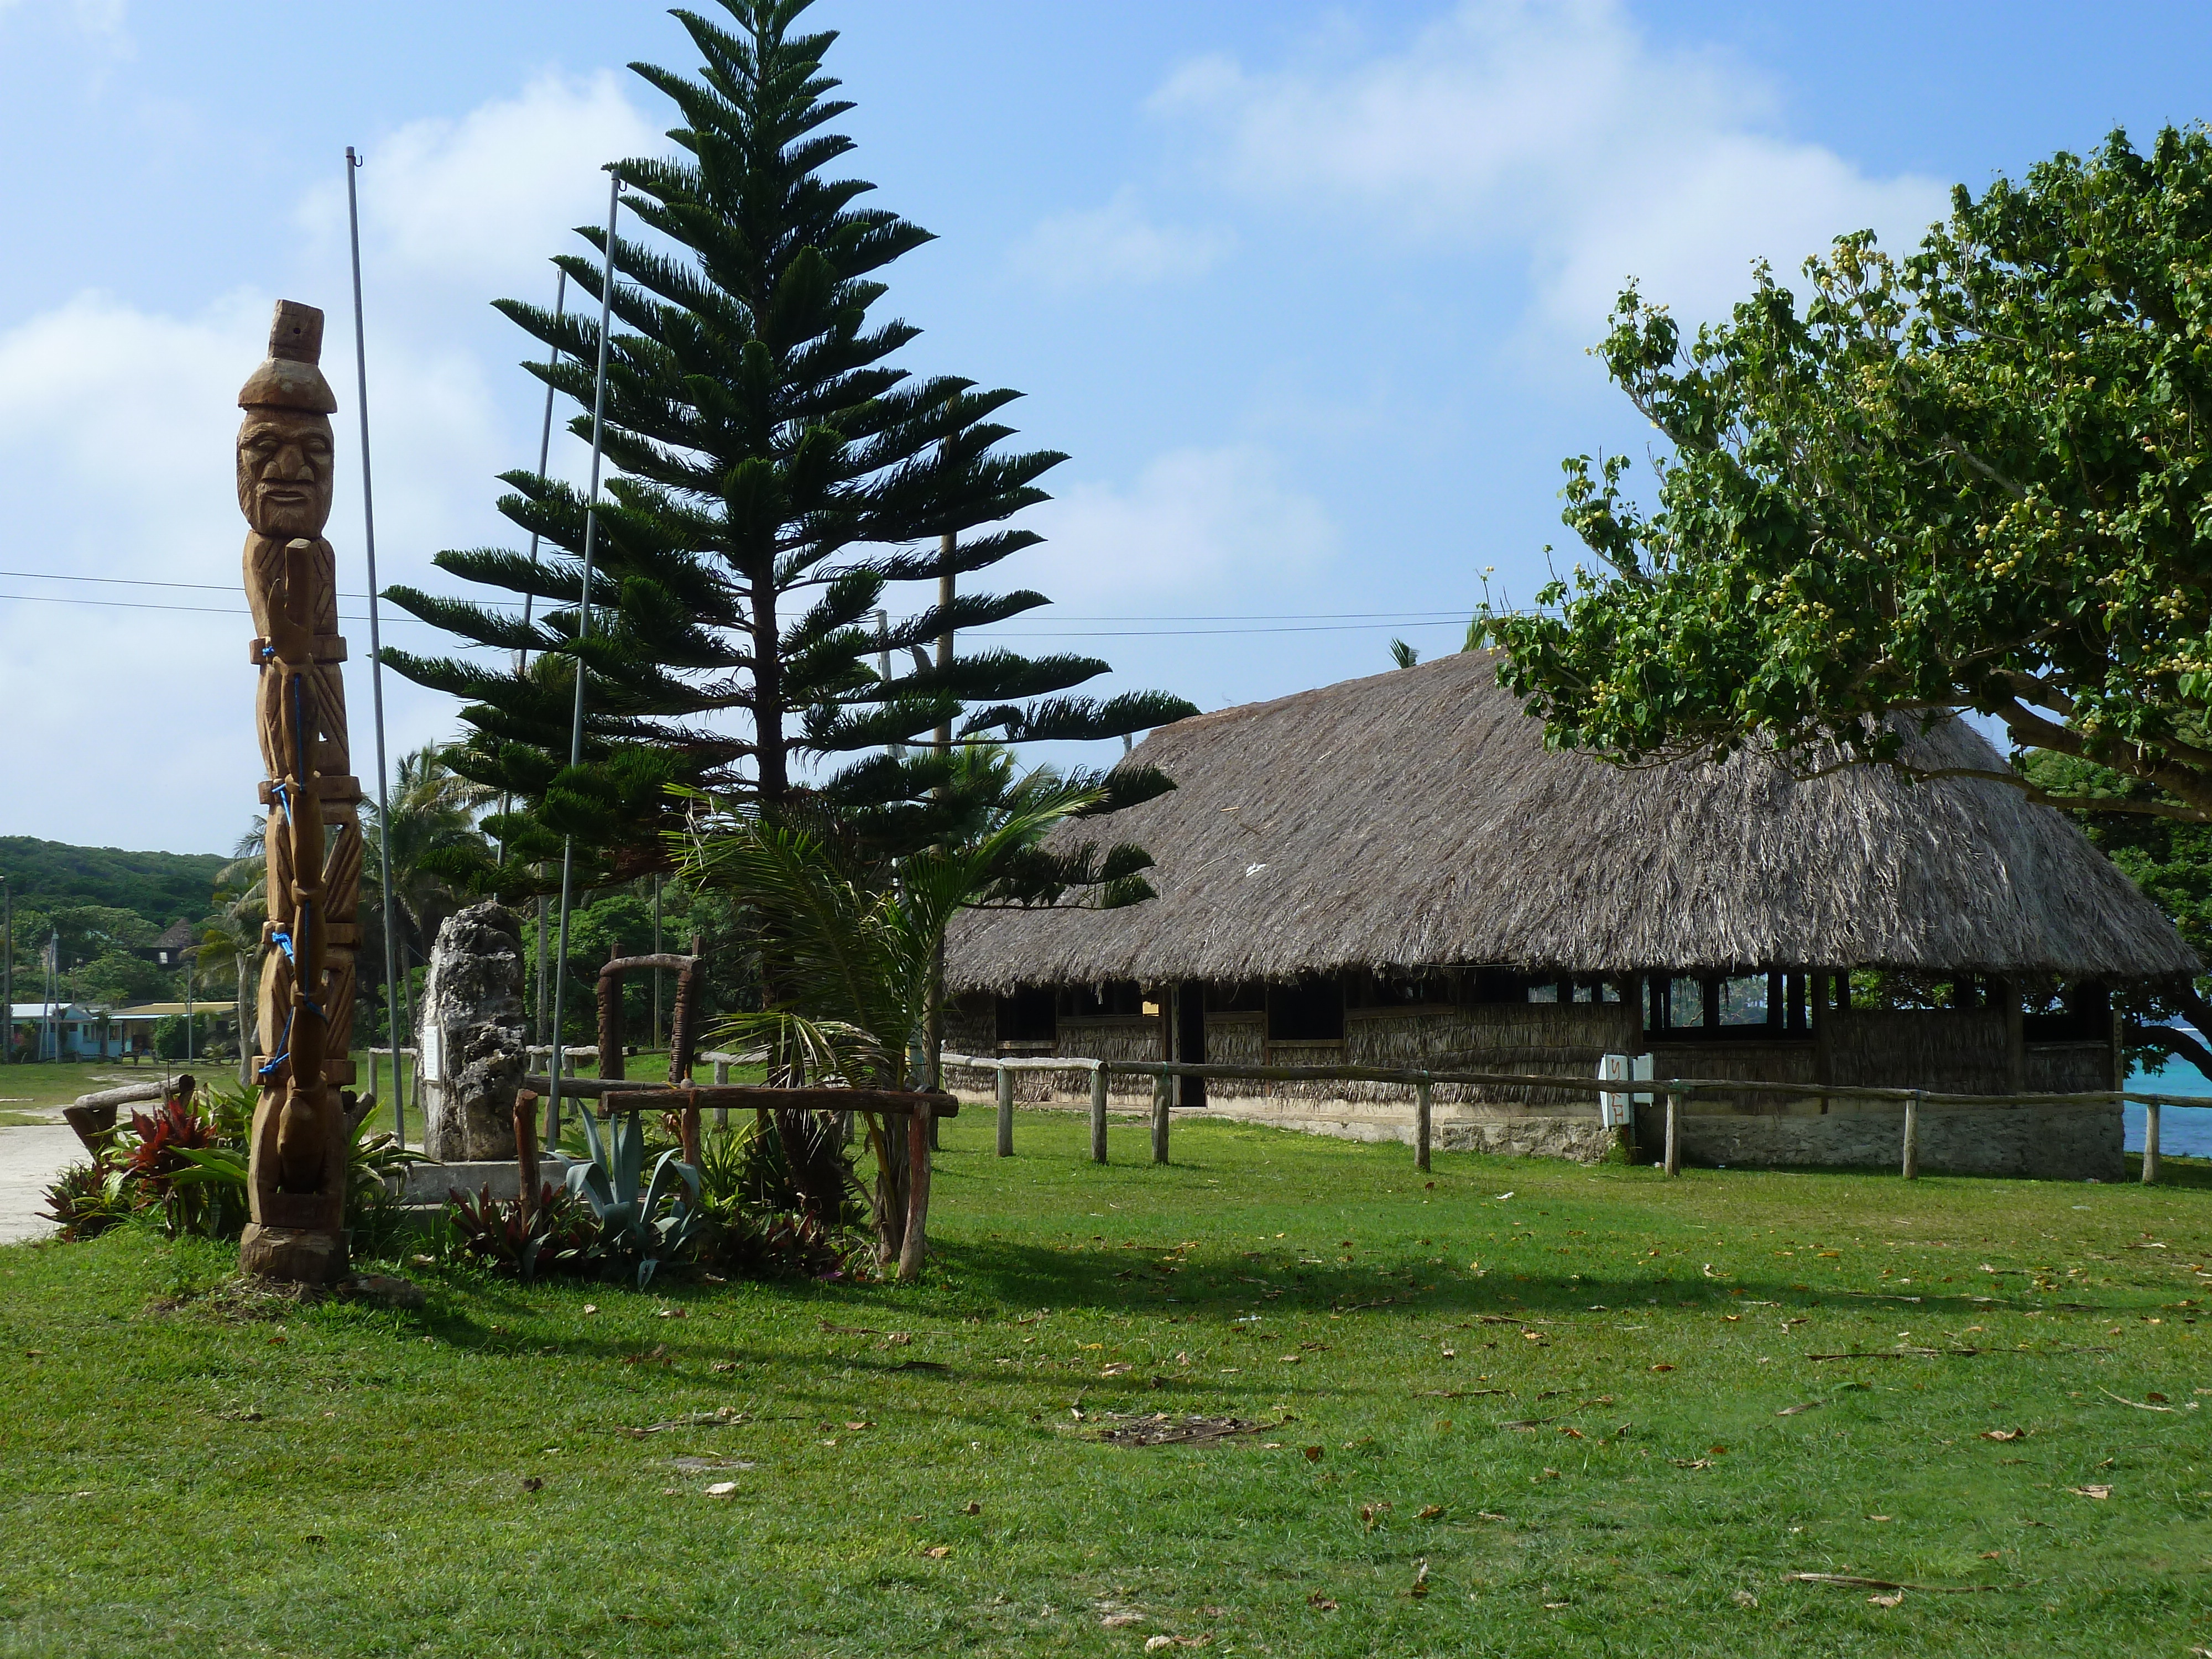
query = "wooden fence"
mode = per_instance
[{"x": 1675, "y": 1090}]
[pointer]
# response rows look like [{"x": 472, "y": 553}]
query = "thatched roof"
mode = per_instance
[{"x": 1415, "y": 819}]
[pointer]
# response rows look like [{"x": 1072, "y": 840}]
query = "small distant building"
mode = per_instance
[
  {"x": 81, "y": 1031},
  {"x": 1395, "y": 872},
  {"x": 62, "y": 1031},
  {"x": 170, "y": 948}
]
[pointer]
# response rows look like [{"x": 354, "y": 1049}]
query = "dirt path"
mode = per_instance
[{"x": 29, "y": 1158}]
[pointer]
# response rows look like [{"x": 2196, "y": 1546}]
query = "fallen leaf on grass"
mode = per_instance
[
  {"x": 1992, "y": 1555},
  {"x": 1484, "y": 1515},
  {"x": 1691, "y": 1462},
  {"x": 1881, "y": 1517},
  {"x": 1118, "y": 1620},
  {"x": 1744, "y": 1598},
  {"x": 2004, "y": 1434},
  {"x": 1662, "y": 1368},
  {"x": 1322, "y": 1602},
  {"x": 1802, "y": 1405},
  {"x": 1434, "y": 1511},
  {"x": 532, "y": 1483},
  {"x": 1118, "y": 1368},
  {"x": 723, "y": 1489},
  {"x": 938, "y": 1551},
  {"x": 973, "y": 1507},
  {"x": 2098, "y": 1493},
  {"x": 590, "y": 1308},
  {"x": 724, "y": 1365},
  {"x": 1419, "y": 1587},
  {"x": 1313, "y": 1454},
  {"x": 673, "y": 1313},
  {"x": 1161, "y": 1644},
  {"x": 1888, "y": 1600}
]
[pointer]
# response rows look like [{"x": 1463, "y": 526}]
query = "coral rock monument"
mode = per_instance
[{"x": 301, "y": 1124}]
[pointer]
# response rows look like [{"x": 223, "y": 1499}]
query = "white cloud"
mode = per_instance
[
  {"x": 480, "y": 203},
  {"x": 1551, "y": 124},
  {"x": 116, "y": 430},
  {"x": 1114, "y": 244},
  {"x": 1193, "y": 518},
  {"x": 102, "y": 18}
]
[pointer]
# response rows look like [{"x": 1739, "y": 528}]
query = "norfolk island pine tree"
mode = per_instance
[{"x": 773, "y": 474}]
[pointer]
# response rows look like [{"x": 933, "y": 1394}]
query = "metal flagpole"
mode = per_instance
[
  {"x": 376, "y": 670},
  {"x": 529, "y": 601},
  {"x": 583, "y": 632}
]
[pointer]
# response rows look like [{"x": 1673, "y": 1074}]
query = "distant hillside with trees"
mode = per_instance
[{"x": 158, "y": 887}]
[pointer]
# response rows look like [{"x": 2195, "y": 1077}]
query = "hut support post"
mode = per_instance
[
  {"x": 1424, "y": 1122},
  {"x": 1163, "y": 1087},
  {"x": 1673, "y": 1131},
  {"x": 2150, "y": 1143},
  {"x": 721, "y": 1081},
  {"x": 1099, "y": 1114},
  {"x": 1005, "y": 1112},
  {"x": 1912, "y": 1136}
]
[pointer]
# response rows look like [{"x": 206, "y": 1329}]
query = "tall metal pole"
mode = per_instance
[
  {"x": 375, "y": 670},
  {"x": 583, "y": 633},
  {"x": 7, "y": 973}
]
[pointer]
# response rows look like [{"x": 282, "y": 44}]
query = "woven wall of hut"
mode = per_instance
[
  {"x": 1959, "y": 1051},
  {"x": 2068, "y": 1068},
  {"x": 1566, "y": 1038}
]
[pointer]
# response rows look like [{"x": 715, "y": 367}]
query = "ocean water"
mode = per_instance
[{"x": 2182, "y": 1131}]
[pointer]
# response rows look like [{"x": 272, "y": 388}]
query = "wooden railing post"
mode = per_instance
[
  {"x": 526, "y": 1154},
  {"x": 1005, "y": 1112},
  {"x": 721, "y": 1081},
  {"x": 1423, "y": 1120},
  {"x": 1673, "y": 1131},
  {"x": 1099, "y": 1114},
  {"x": 1912, "y": 1136},
  {"x": 1163, "y": 1091},
  {"x": 2150, "y": 1141}
]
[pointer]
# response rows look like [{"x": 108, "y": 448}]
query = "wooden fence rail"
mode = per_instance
[{"x": 1675, "y": 1092}]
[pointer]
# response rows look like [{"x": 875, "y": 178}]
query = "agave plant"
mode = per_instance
[{"x": 648, "y": 1228}]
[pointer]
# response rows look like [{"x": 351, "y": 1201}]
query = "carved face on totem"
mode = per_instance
[{"x": 285, "y": 471}]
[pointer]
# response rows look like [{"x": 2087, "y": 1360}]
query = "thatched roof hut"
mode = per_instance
[{"x": 1416, "y": 818}]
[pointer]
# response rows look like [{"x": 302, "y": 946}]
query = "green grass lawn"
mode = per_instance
[{"x": 1610, "y": 1437}]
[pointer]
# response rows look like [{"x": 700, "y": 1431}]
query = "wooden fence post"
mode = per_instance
[
  {"x": 1163, "y": 1089},
  {"x": 2150, "y": 1141},
  {"x": 1673, "y": 1131},
  {"x": 1099, "y": 1114},
  {"x": 721, "y": 1081},
  {"x": 1912, "y": 1136},
  {"x": 1005, "y": 1112},
  {"x": 526, "y": 1154},
  {"x": 372, "y": 1071},
  {"x": 1423, "y": 1120}
]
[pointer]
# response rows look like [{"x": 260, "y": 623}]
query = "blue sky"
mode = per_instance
[{"x": 1305, "y": 291}]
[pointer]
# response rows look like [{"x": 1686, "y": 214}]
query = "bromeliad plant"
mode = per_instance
[
  {"x": 637, "y": 1230},
  {"x": 555, "y": 1235}
]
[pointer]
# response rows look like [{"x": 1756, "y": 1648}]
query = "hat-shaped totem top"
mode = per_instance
[{"x": 289, "y": 378}]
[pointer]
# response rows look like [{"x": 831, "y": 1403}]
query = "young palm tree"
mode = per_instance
[
  {"x": 858, "y": 961},
  {"x": 435, "y": 846}
]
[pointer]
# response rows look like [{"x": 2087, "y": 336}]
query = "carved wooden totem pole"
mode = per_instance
[{"x": 301, "y": 1128}]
